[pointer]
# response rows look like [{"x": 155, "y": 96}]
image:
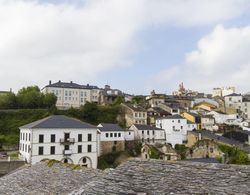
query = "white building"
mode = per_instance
[
  {"x": 112, "y": 138},
  {"x": 176, "y": 128},
  {"x": 221, "y": 92},
  {"x": 148, "y": 134},
  {"x": 61, "y": 138},
  {"x": 72, "y": 94},
  {"x": 233, "y": 101},
  {"x": 223, "y": 118}
]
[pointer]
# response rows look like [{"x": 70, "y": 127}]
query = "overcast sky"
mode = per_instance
[{"x": 133, "y": 45}]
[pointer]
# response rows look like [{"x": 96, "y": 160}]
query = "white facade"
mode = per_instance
[
  {"x": 71, "y": 145},
  {"x": 176, "y": 128},
  {"x": 112, "y": 134},
  {"x": 129, "y": 135},
  {"x": 221, "y": 118},
  {"x": 72, "y": 95},
  {"x": 148, "y": 134}
]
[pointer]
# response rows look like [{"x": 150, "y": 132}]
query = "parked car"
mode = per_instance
[{"x": 3, "y": 154}]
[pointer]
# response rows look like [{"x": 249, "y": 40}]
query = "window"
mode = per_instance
[
  {"x": 136, "y": 114},
  {"x": 119, "y": 134},
  {"x": 52, "y": 149},
  {"x": 179, "y": 121},
  {"x": 111, "y": 134},
  {"x": 89, "y": 137},
  {"x": 89, "y": 148},
  {"x": 26, "y": 136},
  {"x": 79, "y": 150},
  {"x": 142, "y": 132},
  {"x": 41, "y": 138},
  {"x": 107, "y": 134},
  {"x": 147, "y": 132},
  {"x": 20, "y": 136},
  {"x": 66, "y": 147},
  {"x": 79, "y": 137},
  {"x": 153, "y": 132},
  {"x": 29, "y": 136},
  {"x": 115, "y": 134},
  {"x": 40, "y": 150},
  {"x": 52, "y": 138},
  {"x": 181, "y": 127}
]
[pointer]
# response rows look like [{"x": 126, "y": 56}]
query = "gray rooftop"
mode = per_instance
[
  {"x": 109, "y": 127},
  {"x": 42, "y": 179},
  {"x": 72, "y": 85},
  {"x": 58, "y": 121},
  {"x": 176, "y": 116},
  {"x": 146, "y": 127},
  {"x": 133, "y": 177}
]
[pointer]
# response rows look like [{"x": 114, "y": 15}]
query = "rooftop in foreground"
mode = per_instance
[{"x": 133, "y": 177}]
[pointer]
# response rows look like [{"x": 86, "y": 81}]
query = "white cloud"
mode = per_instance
[
  {"x": 222, "y": 58},
  {"x": 77, "y": 41}
]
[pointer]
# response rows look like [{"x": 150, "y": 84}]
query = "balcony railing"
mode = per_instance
[
  {"x": 67, "y": 152},
  {"x": 67, "y": 141}
]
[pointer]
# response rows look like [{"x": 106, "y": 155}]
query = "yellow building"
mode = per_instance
[{"x": 193, "y": 117}]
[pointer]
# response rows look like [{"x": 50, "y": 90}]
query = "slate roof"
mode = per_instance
[
  {"x": 210, "y": 135},
  {"x": 109, "y": 127},
  {"x": 58, "y": 121},
  {"x": 146, "y": 127},
  {"x": 72, "y": 85},
  {"x": 193, "y": 114},
  {"x": 151, "y": 177},
  {"x": 176, "y": 116},
  {"x": 42, "y": 179},
  {"x": 233, "y": 94},
  {"x": 156, "y": 177}
]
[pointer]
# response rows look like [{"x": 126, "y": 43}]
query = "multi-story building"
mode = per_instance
[
  {"x": 155, "y": 99},
  {"x": 72, "y": 94},
  {"x": 224, "y": 91},
  {"x": 108, "y": 95},
  {"x": 154, "y": 113},
  {"x": 112, "y": 138},
  {"x": 233, "y": 101},
  {"x": 176, "y": 128},
  {"x": 148, "y": 134},
  {"x": 134, "y": 114},
  {"x": 208, "y": 122},
  {"x": 61, "y": 138},
  {"x": 193, "y": 117}
]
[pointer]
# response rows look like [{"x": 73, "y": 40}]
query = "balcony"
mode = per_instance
[
  {"x": 67, "y": 141},
  {"x": 67, "y": 152}
]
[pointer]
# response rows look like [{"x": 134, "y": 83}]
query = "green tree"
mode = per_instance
[
  {"x": 181, "y": 150},
  {"x": 8, "y": 101},
  {"x": 29, "y": 97},
  {"x": 49, "y": 100}
]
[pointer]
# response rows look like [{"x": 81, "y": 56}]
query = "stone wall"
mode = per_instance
[
  {"x": 9, "y": 166},
  {"x": 107, "y": 146}
]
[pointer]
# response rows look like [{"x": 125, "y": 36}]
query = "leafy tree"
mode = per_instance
[
  {"x": 49, "y": 100},
  {"x": 8, "y": 101},
  {"x": 138, "y": 99},
  {"x": 181, "y": 150}
]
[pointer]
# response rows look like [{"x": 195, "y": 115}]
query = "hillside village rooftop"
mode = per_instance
[{"x": 132, "y": 177}]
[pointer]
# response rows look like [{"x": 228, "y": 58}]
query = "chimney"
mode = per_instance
[
  {"x": 59, "y": 81},
  {"x": 107, "y": 87},
  {"x": 49, "y": 82},
  {"x": 71, "y": 82},
  {"x": 10, "y": 90}
]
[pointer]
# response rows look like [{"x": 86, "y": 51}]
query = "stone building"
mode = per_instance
[
  {"x": 112, "y": 138},
  {"x": 154, "y": 113},
  {"x": 134, "y": 114},
  {"x": 155, "y": 99},
  {"x": 162, "y": 151},
  {"x": 108, "y": 95},
  {"x": 205, "y": 148}
]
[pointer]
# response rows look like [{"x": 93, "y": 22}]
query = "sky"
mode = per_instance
[{"x": 133, "y": 45}]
